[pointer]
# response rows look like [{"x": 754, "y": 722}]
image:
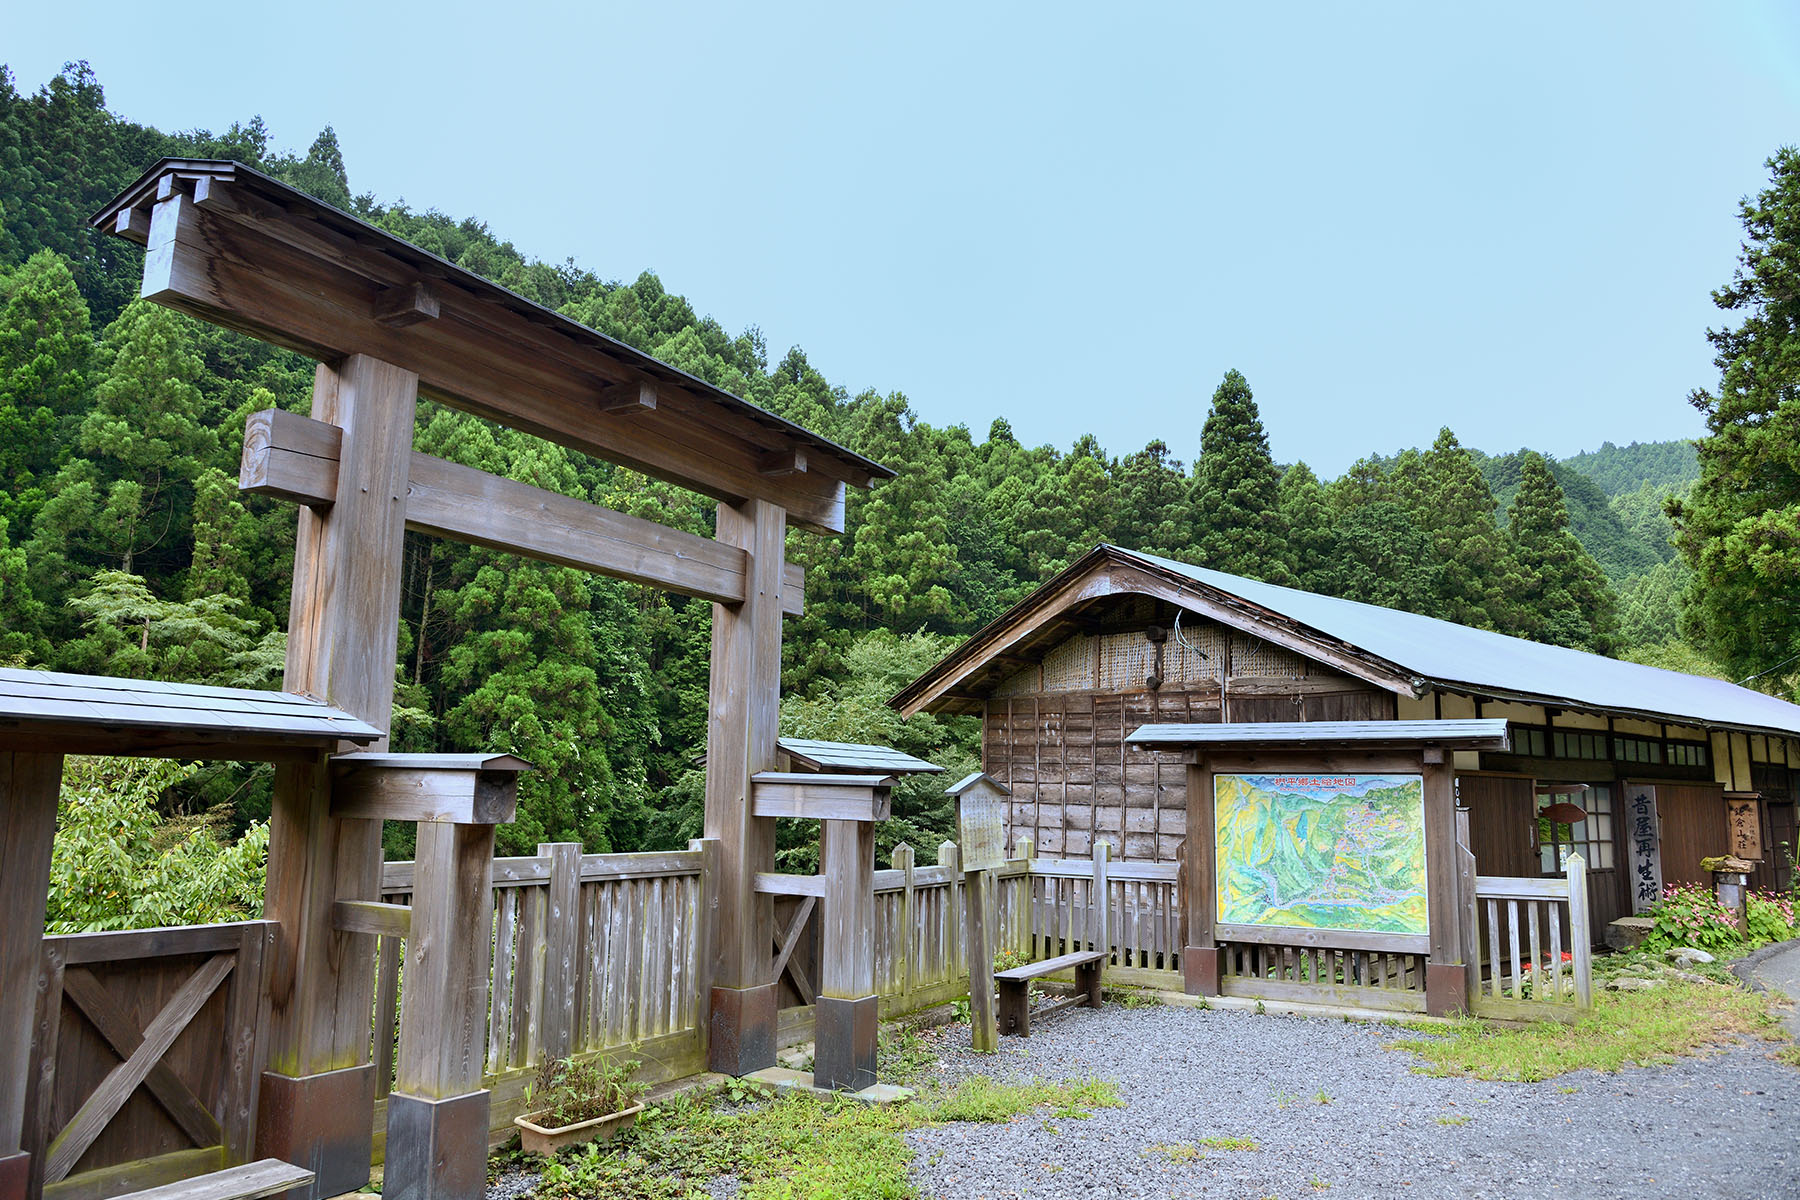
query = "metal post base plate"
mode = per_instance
[
  {"x": 436, "y": 1149},
  {"x": 845, "y": 1033},
  {"x": 325, "y": 1123},
  {"x": 743, "y": 1029}
]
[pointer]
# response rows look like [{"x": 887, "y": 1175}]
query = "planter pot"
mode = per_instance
[{"x": 541, "y": 1140}]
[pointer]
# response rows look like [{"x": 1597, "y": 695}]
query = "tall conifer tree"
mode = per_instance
[
  {"x": 1236, "y": 492},
  {"x": 1568, "y": 600},
  {"x": 1456, "y": 509},
  {"x": 1739, "y": 529}
]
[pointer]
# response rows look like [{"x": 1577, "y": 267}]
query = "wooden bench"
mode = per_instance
[
  {"x": 265, "y": 1177},
  {"x": 1015, "y": 988}
]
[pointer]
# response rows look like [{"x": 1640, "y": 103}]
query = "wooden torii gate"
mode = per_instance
[{"x": 389, "y": 322}]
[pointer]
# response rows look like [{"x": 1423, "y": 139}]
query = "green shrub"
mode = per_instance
[
  {"x": 118, "y": 863},
  {"x": 1690, "y": 915},
  {"x": 568, "y": 1092}
]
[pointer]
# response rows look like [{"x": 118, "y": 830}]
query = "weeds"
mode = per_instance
[
  {"x": 1454, "y": 1119},
  {"x": 791, "y": 1147},
  {"x": 1645, "y": 1028}
]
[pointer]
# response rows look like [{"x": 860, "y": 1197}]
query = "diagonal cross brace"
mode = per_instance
[
  {"x": 123, "y": 1035},
  {"x": 69, "y": 1145},
  {"x": 785, "y": 951}
]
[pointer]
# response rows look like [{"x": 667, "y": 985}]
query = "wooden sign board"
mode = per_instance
[
  {"x": 980, "y": 822},
  {"x": 1743, "y": 817},
  {"x": 1643, "y": 836}
]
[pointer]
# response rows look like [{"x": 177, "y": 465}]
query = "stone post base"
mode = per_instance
[
  {"x": 845, "y": 1034},
  {"x": 742, "y": 1037},
  {"x": 325, "y": 1123},
  {"x": 436, "y": 1149}
]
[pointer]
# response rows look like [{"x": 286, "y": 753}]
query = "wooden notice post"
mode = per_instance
[{"x": 981, "y": 834}]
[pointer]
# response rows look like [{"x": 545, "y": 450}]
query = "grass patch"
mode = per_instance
[
  {"x": 1789, "y": 1055},
  {"x": 1179, "y": 1153},
  {"x": 1625, "y": 1029},
  {"x": 792, "y": 1147},
  {"x": 1182, "y": 1153},
  {"x": 1454, "y": 1119}
]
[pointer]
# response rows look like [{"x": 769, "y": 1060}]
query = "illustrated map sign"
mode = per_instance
[
  {"x": 1646, "y": 848},
  {"x": 981, "y": 825},
  {"x": 1744, "y": 817},
  {"x": 1340, "y": 852}
]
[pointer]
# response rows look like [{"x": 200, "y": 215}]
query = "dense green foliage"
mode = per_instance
[
  {"x": 1739, "y": 529},
  {"x": 125, "y": 547}
]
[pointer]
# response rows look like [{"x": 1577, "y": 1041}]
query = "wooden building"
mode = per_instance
[{"x": 1665, "y": 768}]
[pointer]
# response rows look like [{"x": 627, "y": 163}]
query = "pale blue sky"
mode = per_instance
[{"x": 1389, "y": 218}]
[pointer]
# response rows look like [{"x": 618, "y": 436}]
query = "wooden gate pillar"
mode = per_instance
[
  {"x": 744, "y": 701},
  {"x": 437, "y": 1115},
  {"x": 317, "y": 1102},
  {"x": 29, "y": 784},
  {"x": 1200, "y": 954},
  {"x": 847, "y": 1016},
  {"x": 1446, "y": 975}
]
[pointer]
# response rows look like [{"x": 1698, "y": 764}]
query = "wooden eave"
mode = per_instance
[
  {"x": 961, "y": 682},
  {"x": 47, "y": 712},
  {"x": 230, "y": 245},
  {"x": 1455, "y": 734}
]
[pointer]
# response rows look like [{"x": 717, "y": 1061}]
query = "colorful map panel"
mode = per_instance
[{"x": 1343, "y": 852}]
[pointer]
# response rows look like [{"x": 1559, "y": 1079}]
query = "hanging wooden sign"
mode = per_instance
[
  {"x": 1643, "y": 835},
  {"x": 1743, "y": 817}
]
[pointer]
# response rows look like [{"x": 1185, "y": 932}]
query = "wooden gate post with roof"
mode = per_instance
[
  {"x": 318, "y": 1095},
  {"x": 744, "y": 696}
]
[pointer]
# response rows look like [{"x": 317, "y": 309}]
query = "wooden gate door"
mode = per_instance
[{"x": 145, "y": 1056}]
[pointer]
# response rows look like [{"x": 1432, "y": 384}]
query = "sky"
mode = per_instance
[{"x": 1389, "y": 218}]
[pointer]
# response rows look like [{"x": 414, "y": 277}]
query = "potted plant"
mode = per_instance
[{"x": 572, "y": 1102}]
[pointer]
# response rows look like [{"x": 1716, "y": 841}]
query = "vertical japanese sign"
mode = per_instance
[
  {"x": 1743, "y": 816},
  {"x": 1646, "y": 846}
]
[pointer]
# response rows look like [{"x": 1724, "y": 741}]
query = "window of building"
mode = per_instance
[
  {"x": 1528, "y": 741},
  {"x": 1591, "y": 837},
  {"x": 1687, "y": 754},
  {"x": 1573, "y": 744},
  {"x": 1637, "y": 750}
]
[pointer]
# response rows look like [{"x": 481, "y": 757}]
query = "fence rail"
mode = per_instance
[{"x": 1518, "y": 928}]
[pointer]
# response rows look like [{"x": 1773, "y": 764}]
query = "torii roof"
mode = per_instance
[{"x": 1401, "y": 651}]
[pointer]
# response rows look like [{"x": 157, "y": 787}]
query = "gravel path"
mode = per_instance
[
  {"x": 1726, "y": 1125},
  {"x": 1779, "y": 969}
]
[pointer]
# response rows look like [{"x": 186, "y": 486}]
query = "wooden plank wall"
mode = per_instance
[{"x": 1074, "y": 779}]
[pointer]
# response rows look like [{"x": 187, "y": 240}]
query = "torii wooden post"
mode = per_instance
[
  {"x": 745, "y": 704},
  {"x": 318, "y": 1097}
]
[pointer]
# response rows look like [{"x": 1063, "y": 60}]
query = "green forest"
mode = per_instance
[{"x": 125, "y": 548}]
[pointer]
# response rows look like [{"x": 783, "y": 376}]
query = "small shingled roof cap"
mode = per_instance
[
  {"x": 854, "y": 757},
  {"x": 968, "y": 781}
]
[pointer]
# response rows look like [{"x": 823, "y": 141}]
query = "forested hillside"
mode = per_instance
[{"x": 126, "y": 549}]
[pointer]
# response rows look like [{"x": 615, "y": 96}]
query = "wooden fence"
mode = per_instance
[
  {"x": 146, "y": 1055},
  {"x": 596, "y": 954},
  {"x": 1518, "y": 968}
]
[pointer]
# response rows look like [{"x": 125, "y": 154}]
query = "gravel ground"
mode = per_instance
[{"x": 1725, "y": 1125}]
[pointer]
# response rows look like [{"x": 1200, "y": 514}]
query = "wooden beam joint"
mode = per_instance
[{"x": 632, "y": 396}]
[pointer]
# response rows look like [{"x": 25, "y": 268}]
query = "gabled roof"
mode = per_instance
[
  {"x": 1404, "y": 652},
  {"x": 96, "y": 714}
]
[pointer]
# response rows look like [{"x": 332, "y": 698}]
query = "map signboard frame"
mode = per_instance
[{"x": 1329, "y": 815}]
